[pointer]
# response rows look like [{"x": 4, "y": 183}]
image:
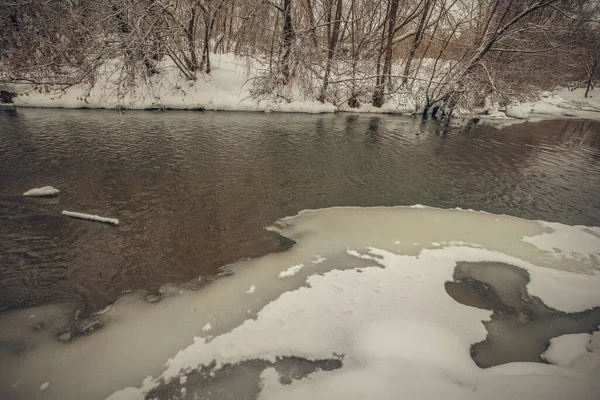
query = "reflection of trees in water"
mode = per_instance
[{"x": 558, "y": 132}]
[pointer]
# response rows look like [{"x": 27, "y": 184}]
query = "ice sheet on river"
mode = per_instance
[{"x": 376, "y": 301}]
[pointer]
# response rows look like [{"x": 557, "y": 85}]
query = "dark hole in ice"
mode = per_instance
[{"x": 521, "y": 325}]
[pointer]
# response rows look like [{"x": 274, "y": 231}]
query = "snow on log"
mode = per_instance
[
  {"x": 43, "y": 191},
  {"x": 90, "y": 217}
]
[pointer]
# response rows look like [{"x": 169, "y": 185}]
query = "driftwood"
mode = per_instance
[{"x": 89, "y": 217}]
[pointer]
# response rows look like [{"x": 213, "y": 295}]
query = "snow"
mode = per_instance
[
  {"x": 207, "y": 327},
  {"x": 379, "y": 306},
  {"x": 225, "y": 89},
  {"x": 572, "y": 239},
  {"x": 42, "y": 191},
  {"x": 594, "y": 345},
  {"x": 291, "y": 271},
  {"x": 565, "y": 349},
  {"x": 90, "y": 217},
  {"x": 251, "y": 290},
  {"x": 318, "y": 260},
  {"x": 563, "y": 103},
  {"x": 576, "y": 352},
  {"x": 519, "y": 111},
  {"x": 228, "y": 88},
  {"x": 397, "y": 328},
  {"x": 577, "y": 242}
]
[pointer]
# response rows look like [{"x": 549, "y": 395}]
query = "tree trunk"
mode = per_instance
[
  {"x": 288, "y": 37},
  {"x": 591, "y": 78},
  {"x": 455, "y": 80},
  {"x": 331, "y": 52},
  {"x": 417, "y": 40},
  {"x": 191, "y": 34},
  {"x": 311, "y": 19},
  {"x": 378, "y": 95}
]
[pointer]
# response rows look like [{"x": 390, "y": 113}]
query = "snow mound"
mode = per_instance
[
  {"x": 565, "y": 349},
  {"x": 42, "y": 192},
  {"x": 577, "y": 352}
]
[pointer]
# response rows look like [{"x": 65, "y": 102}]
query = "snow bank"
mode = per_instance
[
  {"x": 228, "y": 88},
  {"x": 225, "y": 89},
  {"x": 42, "y": 192},
  {"x": 90, "y": 217},
  {"x": 562, "y": 103},
  {"x": 374, "y": 299}
]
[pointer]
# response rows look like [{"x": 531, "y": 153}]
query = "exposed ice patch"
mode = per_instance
[
  {"x": 42, "y": 192},
  {"x": 291, "y": 271}
]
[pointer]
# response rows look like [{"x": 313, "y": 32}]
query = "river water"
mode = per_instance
[{"x": 194, "y": 191}]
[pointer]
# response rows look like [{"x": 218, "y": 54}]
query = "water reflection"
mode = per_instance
[{"x": 195, "y": 190}]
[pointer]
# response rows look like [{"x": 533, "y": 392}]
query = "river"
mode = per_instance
[{"x": 194, "y": 190}]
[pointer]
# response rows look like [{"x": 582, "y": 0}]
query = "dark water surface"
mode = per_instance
[{"x": 193, "y": 191}]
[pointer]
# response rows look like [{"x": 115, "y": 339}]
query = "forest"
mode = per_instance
[{"x": 448, "y": 54}]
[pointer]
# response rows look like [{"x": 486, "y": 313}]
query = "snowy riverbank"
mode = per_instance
[{"x": 229, "y": 88}]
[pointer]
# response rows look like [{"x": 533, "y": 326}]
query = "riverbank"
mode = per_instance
[{"x": 229, "y": 87}]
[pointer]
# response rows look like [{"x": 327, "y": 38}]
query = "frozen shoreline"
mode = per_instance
[{"x": 353, "y": 290}]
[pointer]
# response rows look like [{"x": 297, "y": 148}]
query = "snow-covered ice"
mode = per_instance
[
  {"x": 565, "y": 349},
  {"x": 594, "y": 344},
  {"x": 90, "y": 217},
  {"x": 207, "y": 327},
  {"x": 576, "y": 352},
  {"x": 251, "y": 289},
  {"x": 42, "y": 192},
  {"x": 45, "y": 386},
  {"x": 378, "y": 306}
]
